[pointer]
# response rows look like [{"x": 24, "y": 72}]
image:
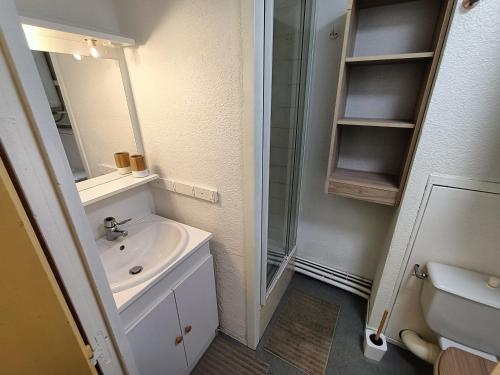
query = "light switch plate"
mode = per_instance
[{"x": 183, "y": 188}]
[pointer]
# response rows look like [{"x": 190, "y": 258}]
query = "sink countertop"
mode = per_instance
[{"x": 196, "y": 238}]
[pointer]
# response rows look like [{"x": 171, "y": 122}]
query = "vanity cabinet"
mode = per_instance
[
  {"x": 153, "y": 340},
  {"x": 171, "y": 334},
  {"x": 197, "y": 308}
]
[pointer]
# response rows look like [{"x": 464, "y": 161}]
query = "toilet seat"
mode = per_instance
[
  {"x": 454, "y": 361},
  {"x": 445, "y": 343}
]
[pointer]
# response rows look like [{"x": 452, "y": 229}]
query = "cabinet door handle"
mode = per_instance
[
  {"x": 188, "y": 328},
  {"x": 178, "y": 340}
]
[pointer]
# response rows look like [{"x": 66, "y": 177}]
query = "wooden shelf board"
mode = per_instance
[
  {"x": 367, "y": 179},
  {"x": 367, "y": 186},
  {"x": 386, "y": 59},
  {"x": 351, "y": 121}
]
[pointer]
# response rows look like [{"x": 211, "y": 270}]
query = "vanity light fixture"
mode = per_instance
[
  {"x": 77, "y": 56},
  {"x": 93, "y": 48}
]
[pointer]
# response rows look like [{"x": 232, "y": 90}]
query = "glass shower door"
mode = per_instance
[{"x": 290, "y": 47}]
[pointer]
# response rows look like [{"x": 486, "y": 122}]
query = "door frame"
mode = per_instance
[
  {"x": 266, "y": 143},
  {"x": 252, "y": 17},
  {"x": 36, "y": 156}
]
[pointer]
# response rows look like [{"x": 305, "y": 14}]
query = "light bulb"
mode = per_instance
[
  {"x": 94, "y": 53},
  {"x": 92, "y": 43},
  {"x": 77, "y": 56}
]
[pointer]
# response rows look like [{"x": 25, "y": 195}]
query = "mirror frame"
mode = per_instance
[{"x": 58, "y": 38}]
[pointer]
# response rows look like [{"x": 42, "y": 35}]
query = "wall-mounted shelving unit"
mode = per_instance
[{"x": 389, "y": 59}]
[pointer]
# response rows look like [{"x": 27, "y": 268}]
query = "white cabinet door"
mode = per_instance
[
  {"x": 197, "y": 307},
  {"x": 153, "y": 341}
]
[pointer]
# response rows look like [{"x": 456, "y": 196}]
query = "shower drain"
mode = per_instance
[{"x": 135, "y": 270}]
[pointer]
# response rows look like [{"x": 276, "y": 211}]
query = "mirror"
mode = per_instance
[{"x": 88, "y": 101}]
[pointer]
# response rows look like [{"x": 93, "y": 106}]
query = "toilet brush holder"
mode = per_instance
[{"x": 374, "y": 349}]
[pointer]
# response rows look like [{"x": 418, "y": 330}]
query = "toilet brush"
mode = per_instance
[
  {"x": 381, "y": 325},
  {"x": 375, "y": 344}
]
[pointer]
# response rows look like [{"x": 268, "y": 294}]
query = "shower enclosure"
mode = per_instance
[{"x": 287, "y": 34}]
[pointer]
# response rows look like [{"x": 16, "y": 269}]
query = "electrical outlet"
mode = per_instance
[
  {"x": 206, "y": 194},
  {"x": 164, "y": 184},
  {"x": 170, "y": 185}
]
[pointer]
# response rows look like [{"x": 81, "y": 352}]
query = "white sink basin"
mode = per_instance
[{"x": 153, "y": 244}]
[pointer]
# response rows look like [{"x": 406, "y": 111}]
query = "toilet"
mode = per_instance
[{"x": 462, "y": 308}]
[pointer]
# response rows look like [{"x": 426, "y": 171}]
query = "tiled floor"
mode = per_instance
[{"x": 346, "y": 356}]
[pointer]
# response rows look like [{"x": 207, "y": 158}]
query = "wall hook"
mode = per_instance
[
  {"x": 468, "y": 4},
  {"x": 333, "y": 34}
]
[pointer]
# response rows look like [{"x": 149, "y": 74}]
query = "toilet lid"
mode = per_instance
[{"x": 454, "y": 361}]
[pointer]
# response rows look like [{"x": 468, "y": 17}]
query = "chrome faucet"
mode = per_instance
[{"x": 112, "y": 230}]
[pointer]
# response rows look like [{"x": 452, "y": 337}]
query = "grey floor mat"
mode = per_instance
[
  {"x": 303, "y": 333},
  {"x": 226, "y": 357}
]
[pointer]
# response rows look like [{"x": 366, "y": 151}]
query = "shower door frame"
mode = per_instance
[{"x": 264, "y": 143}]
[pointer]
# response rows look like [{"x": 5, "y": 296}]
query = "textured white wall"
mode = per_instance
[
  {"x": 186, "y": 74},
  {"x": 98, "y": 15},
  {"x": 94, "y": 91},
  {"x": 334, "y": 231},
  {"x": 461, "y": 132}
]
